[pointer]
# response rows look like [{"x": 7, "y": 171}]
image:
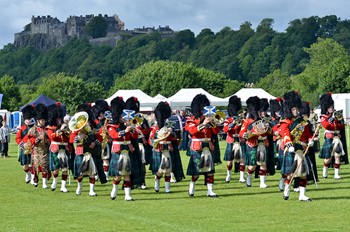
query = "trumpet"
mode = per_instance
[
  {"x": 137, "y": 120},
  {"x": 219, "y": 117},
  {"x": 238, "y": 120},
  {"x": 338, "y": 115}
]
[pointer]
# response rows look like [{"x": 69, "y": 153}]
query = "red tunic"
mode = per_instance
[
  {"x": 252, "y": 137},
  {"x": 233, "y": 132},
  {"x": 331, "y": 128},
  {"x": 19, "y": 136},
  {"x": 120, "y": 137},
  {"x": 159, "y": 146},
  {"x": 199, "y": 135}
]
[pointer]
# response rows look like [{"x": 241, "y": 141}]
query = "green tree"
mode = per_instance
[
  {"x": 328, "y": 70},
  {"x": 276, "y": 83},
  {"x": 97, "y": 27},
  {"x": 70, "y": 90},
  {"x": 167, "y": 78},
  {"x": 11, "y": 97}
]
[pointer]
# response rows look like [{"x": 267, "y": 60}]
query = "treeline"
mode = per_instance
[{"x": 312, "y": 55}]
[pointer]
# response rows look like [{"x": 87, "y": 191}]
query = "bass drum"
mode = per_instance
[{"x": 177, "y": 126}]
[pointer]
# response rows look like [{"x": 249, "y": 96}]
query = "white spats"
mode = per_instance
[
  {"x": 167, "y": 187},
  {"x": 28, "y": 177},
  {"x": 54, "y": 184},
  {"x": 336, "y": 174},
  {"x": 241, "y": 177},
  {"x": 172, "y": 178},
  {"x": 249, "y": 180},
  {"x": 63, "y": 187},
  {"x": 114, "y": 191},
  {"x": 325, "y": 172},
  {"x": 92, "y": 190},
  {"x": 263, "y": 182},
  {"x": 286, "y": 192},
  {"x": 281, "y": 184},
  {"x": 302, "y": 196},
  {"x": 210, "y": 192},
  {"x": 191, "y": 189},
  {"x": 79, "y": 188},
  {"x": 156, "y": 184},
  {"x": 228, "y": 176},
  {"x": 128, "y": 194},
  {"x": 45, "y": 183}
]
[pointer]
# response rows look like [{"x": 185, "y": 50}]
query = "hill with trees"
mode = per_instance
[{"x": 311, "y": 56}]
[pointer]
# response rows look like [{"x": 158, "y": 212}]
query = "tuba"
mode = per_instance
[{"x": 79, "y": 122}]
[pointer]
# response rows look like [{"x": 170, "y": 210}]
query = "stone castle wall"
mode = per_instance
[{"x": 52, "y": 33}]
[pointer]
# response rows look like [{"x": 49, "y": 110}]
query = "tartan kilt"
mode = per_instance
[
  {"x": 326, "y": 150},
  {"x": 287, "y": 163},
  {"x": 24, "y": 159},
  {"x": 280, "y": 159},
  {"x": 156, "y": 159},
  {"x": 177, "y": 163},
  {"x": 113, "y": 164},
  {"x": 228, "y": 152},
  {"x": 137, "y": 167},
  {"x": 250, "y": 156},
  {"x": 54, "y": 162},
  {"x": 195, "y": 158},
  {"x": 148, "y": 153},
  {"x": 114, "y": 161},
  {"x": 78, "y": 162},
  {"x": 216, "y": 154}
]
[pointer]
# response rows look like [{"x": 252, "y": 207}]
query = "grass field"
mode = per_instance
[{"x": 25, "y": 208}]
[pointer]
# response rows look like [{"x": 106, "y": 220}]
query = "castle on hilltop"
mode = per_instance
[{"x": 46, "y": 32}]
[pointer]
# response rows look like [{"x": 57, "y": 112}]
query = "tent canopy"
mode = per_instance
[
  {"x": 245, "y": 93},
  {"x": 44, "y": 100},
  {"x": 160, "y": 97},
  {"x": 184, "y": 97},
  {"x": 147, "y": 103}
]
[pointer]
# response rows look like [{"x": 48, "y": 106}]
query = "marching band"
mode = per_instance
[{"x": 114, "y": 142}]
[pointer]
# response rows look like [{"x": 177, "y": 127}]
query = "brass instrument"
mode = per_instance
[
  {"x": 28, "y": 148},
  {"x": 259, "y": 127},
  {"x": 267, "y": 119},
  {"x": 219, "y": 117},
  {"x": 238, "y": 120},
  {"x": 137, "y": 120},
  {"x": 298, "y": 131},
  {"x": 338, "y": 115},
  {"x": 79, "y": 122},
  {"x": 216, "y": 119}
]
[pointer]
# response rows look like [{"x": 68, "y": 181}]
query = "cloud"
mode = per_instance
[{"x": 178, "y": 14}]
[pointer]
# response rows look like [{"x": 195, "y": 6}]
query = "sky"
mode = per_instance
[{"x": 177, "y": 14}]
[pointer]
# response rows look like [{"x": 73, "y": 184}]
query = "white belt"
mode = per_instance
[
  {"x": 122, "y": 142},
  {"x": 201, "y": 140},
  {"x": 262, "y": 138},
  {"x": 235, "y": 135},
  {"x": 165, "y": 142},
  {"x": 59, "y": 143},
  {"x": 332, "y": 132}
]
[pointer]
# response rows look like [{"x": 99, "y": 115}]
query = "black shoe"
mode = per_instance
[
  {"x": 285, "y": 197},
  {"x": 190, "y": 194}
]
